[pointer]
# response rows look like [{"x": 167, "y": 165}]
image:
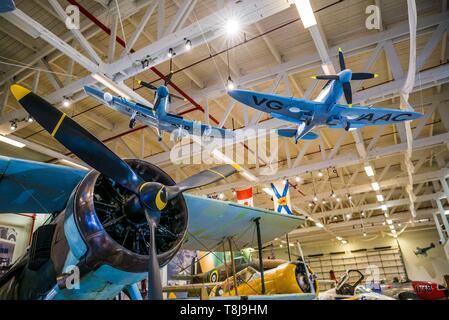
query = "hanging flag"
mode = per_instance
[
  {"x": 245, "y": 197},
  {"x": 281, "y": 197}
]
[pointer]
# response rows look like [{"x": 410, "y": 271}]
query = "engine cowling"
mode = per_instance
[{"x": 115, "y": 231}]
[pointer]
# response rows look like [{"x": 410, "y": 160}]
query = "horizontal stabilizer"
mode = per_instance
[
  {"x": 287, "y": 133},
  {"x": 310, "y": 136}
]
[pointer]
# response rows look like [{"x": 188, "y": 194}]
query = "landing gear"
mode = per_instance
[
  {"x": 348, "y": 126},
  {"x": 132, "y": 123}
]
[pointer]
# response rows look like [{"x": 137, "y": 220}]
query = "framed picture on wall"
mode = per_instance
[{"x": 8, "y": 238}]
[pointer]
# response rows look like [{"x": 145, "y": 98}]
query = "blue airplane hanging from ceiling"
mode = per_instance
[
  {"x": 324, "y": 110},
  {"x": 158, "y": 117}
]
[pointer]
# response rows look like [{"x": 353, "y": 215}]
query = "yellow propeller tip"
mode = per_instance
[
  {"x": 340, "y": 50},
  {"x": 139, "y": 81},
  {"x": 350, "y": 105},
  {"x": 236, "y": 166},
  {"x": 18, "y": 91},
  {"x": 376, "y": 75},
  {"x": 313, "y": 77}
]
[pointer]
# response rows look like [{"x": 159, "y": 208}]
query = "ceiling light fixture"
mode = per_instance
[
  {"x": 319, "y": 225},
  {"x": 188, "y": 45},
  {"x": 380, "y": 198},
  {"x": 230, "y": 85},
  {"x": 369, "y": 171},
  {"x": 110, "y": 84},
  {"x": 375, "y": 186},
  {"x": 306, "y": 13},
  {"x": 13, "y": 126},
  {"x": 171, "y": 53},
  {"x": 11, "y": 142},
  {"x": 232, "y": 27},
  {"x": 66, "y": 102}
]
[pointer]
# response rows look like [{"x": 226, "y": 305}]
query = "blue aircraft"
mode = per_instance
[
  {"x": 158, "y": 117},
  {"x": 116, "y": 224},
  {"x": 324, "y": 110}
]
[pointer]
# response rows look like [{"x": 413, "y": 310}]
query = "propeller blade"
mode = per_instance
[
  {"x": 201, "y": 179},
  {"x": 147, "y": 85},
  {"x": 154, "y": 274},
  {"x": 178, "y": 97},
  {"x": 78, "y": 140},
  {"x": 341, "y": 59},
  {"x": 348, "y": 93},
  {"x": 364, "y": 76},
  {"x": 326, "y": 77}
]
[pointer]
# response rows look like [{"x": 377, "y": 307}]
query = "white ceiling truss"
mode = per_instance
[{"x": 420, "y": 151}]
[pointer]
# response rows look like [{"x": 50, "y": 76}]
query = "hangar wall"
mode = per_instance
[
  {"x": 22, "y": 225},
  {"x": 430, "y": 268}
]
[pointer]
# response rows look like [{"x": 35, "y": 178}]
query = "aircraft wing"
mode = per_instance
[
  {"x": 28, "y": 186},
  {"x": 192, "y": 288},
  {"x": 288, "y": 107},
  {"x": 375, "y": 116},
  {"x": 211, "y": 221}
]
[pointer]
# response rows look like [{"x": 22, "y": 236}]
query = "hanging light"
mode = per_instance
[
  {"x": 66, "y": 102},
  {"x": 310, "y": 204},
  {"x": 171, "y": 53},
  {"x": 320, "y": 174},
  {"x": 315, "y": 198},
  {"x": 324, "y": 201},
  {"x": 298, "y": 179},
  {"x": 364, "y": 234},
  {"x": 13, "y": 125},
  {"x": 230, "y": 85},
  {"x": 333, "y": 195},
  {"x": 30, "y": 119},
  {"x": 188, "y": 45},
  {"x": 338, "y": 199},
  {"x": 232, "y": 27}
]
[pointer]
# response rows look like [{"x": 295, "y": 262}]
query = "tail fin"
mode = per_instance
[
  {"x": 287, "y": 133},
  {"x": 291, "y": 133}
]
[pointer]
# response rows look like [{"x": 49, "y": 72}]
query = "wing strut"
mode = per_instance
[{"x": 259, "y": 248}]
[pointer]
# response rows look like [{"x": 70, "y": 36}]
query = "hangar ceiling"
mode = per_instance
[{"x": 275, "y": 53}]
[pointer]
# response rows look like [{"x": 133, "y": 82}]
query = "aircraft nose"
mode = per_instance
[
  {"x": 346, "y": 75},
  {"x": 162, "y": 91}
]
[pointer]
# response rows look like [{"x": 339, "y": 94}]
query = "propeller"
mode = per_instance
[
  {"x": 153, "y": 196},
  {"x": 347, "y": 90},
  {"x": 154, "y": 88},
  {"x": 167, "y": 81}
]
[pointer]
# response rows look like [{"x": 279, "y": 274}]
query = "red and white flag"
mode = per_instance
[{"x": 245, "y": 197}]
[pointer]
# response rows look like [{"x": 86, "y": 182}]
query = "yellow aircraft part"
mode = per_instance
[{"x": 281, "y": 280}]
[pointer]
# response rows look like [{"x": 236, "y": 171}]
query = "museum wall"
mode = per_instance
[
  {"x": 430, "y": 268},
  {"x": 22, "y": 225}
]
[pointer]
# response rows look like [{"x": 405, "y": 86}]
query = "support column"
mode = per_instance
[
  {"x": 440, "y": 232},
  {"x": 443, "y": 215},
  {"x": 259, "y": 247},
  {"x": 288, "y": 248},
  {"x": 233, "y": 267},
  {"x": 445, "y": 186}
]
